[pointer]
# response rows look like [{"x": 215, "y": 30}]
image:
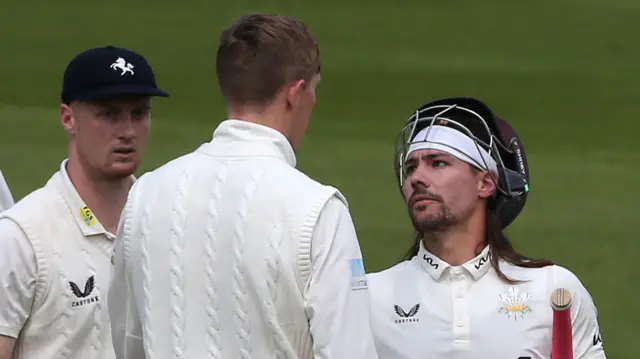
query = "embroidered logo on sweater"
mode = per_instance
[
  {"x": 87, "y": 216},
  {"x": 358, "y": 275},
  {"x": 83, "y": 295}
]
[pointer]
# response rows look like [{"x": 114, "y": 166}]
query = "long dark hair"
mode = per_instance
[{"x": 500, "y": 248}]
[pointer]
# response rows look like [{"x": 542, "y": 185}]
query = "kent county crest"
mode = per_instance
[
  {"x": 122, "y": 65},
  {"x": 514, "y": 303}
]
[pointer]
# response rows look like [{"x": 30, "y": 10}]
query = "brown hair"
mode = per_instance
[
  {"x": 500, "y": 249},
  {"x": 260, "y": 53}
]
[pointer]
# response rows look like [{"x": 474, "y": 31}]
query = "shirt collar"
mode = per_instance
[
  {"x": 85, "y": 219},
  {"x": 435, "y": 266},
  {"x": 250, "y": 138}
]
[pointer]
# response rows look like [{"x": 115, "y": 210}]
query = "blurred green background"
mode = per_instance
[{"x": 564, "y": 73}]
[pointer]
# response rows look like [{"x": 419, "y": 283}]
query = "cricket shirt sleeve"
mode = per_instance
[
  {"x": 336, "y": 296},
  {"x": 18, "y": 274},
  {"x": 6, "y": 199},
  {"x": 126, "y": 330},
  {"x": 587, "y": 341}
]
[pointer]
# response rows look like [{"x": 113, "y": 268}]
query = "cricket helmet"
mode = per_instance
[{"x": 496, "y": 147}]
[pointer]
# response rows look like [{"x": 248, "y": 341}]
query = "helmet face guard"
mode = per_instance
[{"x": 490, "y": 133}]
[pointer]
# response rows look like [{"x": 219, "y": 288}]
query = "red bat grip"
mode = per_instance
[{"x": 562, "y": 333}]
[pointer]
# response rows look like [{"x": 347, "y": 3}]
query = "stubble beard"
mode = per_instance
[{"x": 433, "y": 222}]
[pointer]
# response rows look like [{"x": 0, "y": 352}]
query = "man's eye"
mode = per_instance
[
  {"x": 109, "y": 113},
  {"x": 141, "y": 113},
  {"x": 439, "y": 164},
  {"x": 408, "y": 169}
]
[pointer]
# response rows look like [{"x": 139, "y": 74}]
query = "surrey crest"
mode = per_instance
[{"x": 514, "y": 304}]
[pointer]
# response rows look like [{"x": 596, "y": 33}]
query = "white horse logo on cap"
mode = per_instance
[{"x": 123, "y": 65}]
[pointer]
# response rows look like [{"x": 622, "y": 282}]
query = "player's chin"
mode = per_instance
[
  {"x": 420, "y": 218},
  {"x": 427, "y": 209},
  {"x": 122, "y": 168},
  {"x": 426, "y": 216},
  {"x": 428, "y": 223}
]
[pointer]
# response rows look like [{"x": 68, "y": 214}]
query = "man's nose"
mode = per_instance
[
  {"x": 420, "y": 178},
  {"x": 126, "y": 127}
]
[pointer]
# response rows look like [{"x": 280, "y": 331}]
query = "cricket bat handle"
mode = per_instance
[{"x": 562, "y": 333}]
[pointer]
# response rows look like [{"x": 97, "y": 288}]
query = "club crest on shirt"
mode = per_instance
[
  {"x": 406, "y": 317},
  {"x": 87, "y": 216},
  {"x": 358, "y": 275},
  {"x": 514, "y": 303}
]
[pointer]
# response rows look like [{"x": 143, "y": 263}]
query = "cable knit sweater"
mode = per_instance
[
  {"x": 230, "y": 252},
  {"x": 54, "y": 274}
]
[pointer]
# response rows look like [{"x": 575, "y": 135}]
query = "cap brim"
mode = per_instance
[{"x": 121, "y": 90}]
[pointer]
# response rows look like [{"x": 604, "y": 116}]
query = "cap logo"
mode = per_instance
[{"x": 122, "y": 65}]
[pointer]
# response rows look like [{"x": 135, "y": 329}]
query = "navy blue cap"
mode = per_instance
[{"x": 106, "y": 72}]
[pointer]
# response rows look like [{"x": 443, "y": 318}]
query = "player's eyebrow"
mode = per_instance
[
  {"x": 429, "y": 157},
  {"x": 142, "y": 107},
  {"x": 436, "y": 156},
  {"x": 411, "y": 160}
]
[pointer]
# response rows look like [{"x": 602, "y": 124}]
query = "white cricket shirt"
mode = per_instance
[
  {"x": 55, "y": 266},
  {"x": 230, "y": 252},
  {"x": 6, "y": 198},
  {"x": 426, "y": 308}
]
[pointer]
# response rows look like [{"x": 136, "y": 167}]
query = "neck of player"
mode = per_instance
[
  {"x": 272, "y": 116},
  {"x": 459, "y": 243},
  {"x": 105, "y": 197}
]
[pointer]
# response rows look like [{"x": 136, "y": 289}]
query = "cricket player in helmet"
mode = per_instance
[{"x": 463, "y": 291}]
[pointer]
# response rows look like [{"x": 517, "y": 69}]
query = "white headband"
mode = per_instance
[{"x": 455, "y": 143}]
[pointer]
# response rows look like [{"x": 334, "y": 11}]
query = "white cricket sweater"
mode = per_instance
[
  {"x": 6, "y": 198},
  {"x": 55, "y": 265},
  {"x": 230, "y": 252}
]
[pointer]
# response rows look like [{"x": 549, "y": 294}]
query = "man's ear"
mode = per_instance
[
  {"x": 67, "y": 119},
  {"x": 487, "y": 184},
  {"x": 293, "y": 91}
]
